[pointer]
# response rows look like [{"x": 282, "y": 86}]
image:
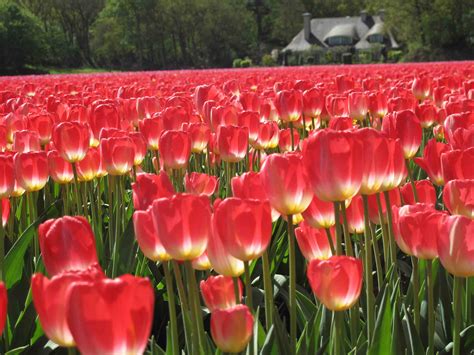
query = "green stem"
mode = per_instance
[
  {"x": 292, "y": 137},
  {"x": 110, "y": 193},
  {"x": 330, "y": 241},
  {"x": 457, "y": 304},
  {"x": 171, "y": 307},
  {"x": 338, "y": 340},
  {"x": 345, "y": 226},
  {"x": 31, "y": 201},
  {"x": 117, "y": 231},
  {"x": 416, "y": 291},
  {"x": 65, "y": 198},
  {"x": 338, "y": 229},
  {"x": 412, "y": 182},
  {"x": 292, "y": 288},
  {"x": 368, "y": 272},
  {"x": 378, "y": 262},
  {"x": 268, "y": 287},
  {"x": 195, "y": 305},
  {"x": 190, "y": 334},
  {"x": 2, "y": 244},
  {"x": 76, "y": 191},
  {"x": 236, "y": 290},
  {"x": 385, "y": 237},
  {"x": 431, "y": 307},
  {"x": 393, "y": 246},
  {"x": 248, "y": 286}
]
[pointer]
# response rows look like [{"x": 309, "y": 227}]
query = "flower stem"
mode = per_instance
[
  {"x": 2, "y": 244},
  {"x": 345, "y": 226},
  {"x": 195, "y": 305},
  {"x": 416, "y": 290},
  {"x": 292, "y": 288},
  {"x": 171, "y": 307},
  {"x": 391, "y": 237},
  {"x": 248, "y": 286},
  {"x": 236, "y": 290},
  {"x": 268, "y": 287},
  {"x": 457, "y": 304},
  {"x": 292, "y": 137},
  {"x": 431, "y": 308},
  {"x": 330, "y": 241},
  {"x": 76, "y": 191},
  {"x": 338, "y": 229},
  {"x": 412, "y": 182}
]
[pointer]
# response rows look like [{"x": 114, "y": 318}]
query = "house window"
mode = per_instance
[
  {"x": 339, "y": 41},
  {"x": 376, "y": 38}
]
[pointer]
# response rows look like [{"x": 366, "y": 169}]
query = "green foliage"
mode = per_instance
[
  {"x": 237, "y": 63},
  {"x": 268, "y": 61}
]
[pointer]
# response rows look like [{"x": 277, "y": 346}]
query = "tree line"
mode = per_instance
[{"x": 168, "y": 34}]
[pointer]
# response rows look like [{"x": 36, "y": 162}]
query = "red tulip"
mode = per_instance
[
  {"x": 344, "y": 83},
  {"x": 286, "y": 183},
  {"x": 51, "y": 300},
  {"x": 151, "y": 128},
  {"x": 395, "y": 200},
  {"x": 67, "y": 243},
  {"x": 458, "y": 197},
  {"x": 3, "y": 306},
  {"x": 378, "y": 106},
  {"x": 111, "y": 316},
  {"x": 424, "y": 188},
  {"x": 43, "y": 125},
  {"x": 313, "y": 102},
  {"x": 202, "y": 262},
  {"x": 220, "y": 258},
  {"x": 175, "y": 149},
  {"x": 71, "y": 139},
  {"x": 147, "y": 236},
  {"x": 334, "y": 163},
  {"x": 183, "y": 223},
  {"x": 284, "y": 140},
  {"x": 337, "y": 106},
  {"x": 355, "y": 215},
  {"x": 249, "y": 101},
  {"x": 251, "y": 120},
  {"x": 457, "y": 164},
  {"x": 140, "y": 147},
  {"x": 26, "y": 141},
  {"x": 456, "y": 245},
  {"x": 59, "y": 169},
  {"x": 431, "y": 161},
  {"x": 174, "y": 117},
  {"x": 319, "y": 214},
  {"x": 149, "y": 187},
  {"x": 196, "y": 183},
  {"x": 147, "y": 106},
  {"x": 418, "y": 226},
  {"x": 313, "y": 242},
  {"x": 231, "y": 328},
  {"x": 397, "y": 171},
  {"x": 358, "y": 105},
  {"x": 427, "y": 114},
  {"x": 232, "y": 142},
  {"x": 31, "y": 170},
  {"x": 289, "y": 105},
  {"x": 336, "y": 282},
  {"x": 218, "y": 292},
  {"x": 244, "y": 227},
  {"x": 91, "y": 166},
  {"x": 118, "y": 154},
  {"x": 268, "y": 136},
  {"x": 103, "y": 116},
  {"x": 199, "y": 133},
  {"x": 404, "y": 125},
  {"x": 7, "y": 175},
  {"x": 421, "y": 87},
  {"x": 375, "y": 145},
  {"x": 341, "y": 123}
]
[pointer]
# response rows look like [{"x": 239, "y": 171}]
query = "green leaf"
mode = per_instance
[
  {"x": 411, "y": 335},
  {"x": 382, "y": 335},
  {"x": 16, "y": 351}
]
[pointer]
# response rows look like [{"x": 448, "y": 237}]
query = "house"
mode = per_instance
[{"x": 360, "y": 33}]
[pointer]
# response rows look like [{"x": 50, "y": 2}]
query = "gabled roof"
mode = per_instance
[{"x": 324, "y": 28}]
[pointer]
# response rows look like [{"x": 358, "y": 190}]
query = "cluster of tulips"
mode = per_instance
[{"x": 171, "y": 208}]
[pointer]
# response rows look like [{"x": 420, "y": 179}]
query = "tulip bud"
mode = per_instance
[
  {"x": 404, "y": 125},
  {"x": 149, "y": 187},
  {"x": 147, "y": 237},
  {"x": 319, "y": 214},
  {"x": 231, "y": 328},
  {"x": 175, "y": 149},
  {"x": 26, "y": 141},
  {"x": 7, "y": 175},
  {"x": 71, "y": 139},
  {"x": 458, "y": 197},
  {"x": 313, "y": 242},
  {"x": 218, "y": 292},
  {"x": 232, "y": 142},
  {"x": 197, "y": 183},
  {"x": 59, "y": 169},
  {"x": 425, "y": 190},
  {"x": 289, "y": 105},
  {"x": 431, "y": 161},
  {"x": 118, "y": 154},
  {"x": 31, "y": 170}
]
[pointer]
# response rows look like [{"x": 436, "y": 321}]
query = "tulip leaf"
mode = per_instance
[
  {"x": 411, "y": 335},
  {"x": 382, "y": 335},
  {"x": 269, "y": 346},
  {"x": 16, "y": 351}
]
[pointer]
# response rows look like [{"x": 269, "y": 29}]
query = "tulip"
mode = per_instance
[
  {"x": 425, "y": 191},
  {"x": 232, "y": 142},
  {"x": 67, "y": 243},
  {"x": 427, "y": 114},
  {"x": 183, "y": 223},
  {"x": 431, "y": 161},
  {"x": 313, "y": 102},
  {"x": 286, "y": 183},
  {"x": 71, "y": 139},
  {"x": 418, "y": 226},
  {"x": 251, "y": 120},
  {"x": 149, "y": 187},
  {"x": 147, "y": 106},
  {"x": 313, "y": 242},
  {"x": 378, "y": 106},
  {"x": 223, "y": 116},
  {"x": 3, "y": 306},
  {"x": 220, "y": 258},
  {"x": 26, "y": 141},
  {"x": 289, "y": 104},
  {"x": 174, "y": 117},
  {"x": 337, "y": 106},
  {"x": 249, "y": 101},
  {"x": 197, "y": 183},
  {"x": 421, "y": 87},
  {"x": 357, "y": 105},
  {"x": 218, "y": 292},
  {"x": 355, "y": 215},
  {"x": 51, "y": 300},
  {"x": 455, "y": 245},
  {"x": 147, "y": 237},
  {"x": 31, "y": 170},
  {"x": 59, "y": 169},
  {"x": 457, "y": 164},
  {"x": 397, "y": 171},
  {"x": 268, "y": 136},
  {"x": 336, "y": 282},
  {"x": 334, "y": 163},
  {"x": 140, "y": 147},
  {"x": 395, "y": 200},
  {"x": 284, "y": 140},
  {"x": 202, "y": 262},
  {"x": 458, "y": 197},
  {"x": 404, "y": 125},
  {"x": 151, "y": 128},
  {"x": 319, "y": 214},
  {"x": 244, "y": 227},
  {"x": 111, "y": 316},
  {"x": 91, "y": 166},
  {"x": 103, "y": 116},
  {"x": 199, "y": 133},
  {"x": 175, "y": 148},
  {"x": 118, "y": 154},
  {"x": 7, "y": 175},
  {"x": 231, "y": 328}
]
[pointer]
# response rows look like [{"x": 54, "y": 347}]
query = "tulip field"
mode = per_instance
[{"x": 305, "y": 210}]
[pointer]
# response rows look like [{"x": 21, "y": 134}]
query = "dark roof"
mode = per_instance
[{"x": 323, "y": 28}]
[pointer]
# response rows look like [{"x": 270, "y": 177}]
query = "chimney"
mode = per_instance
[
  {"x": 381, "y": 14},
  {"x": 307, "y": 26}
]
